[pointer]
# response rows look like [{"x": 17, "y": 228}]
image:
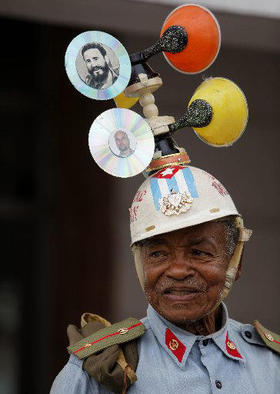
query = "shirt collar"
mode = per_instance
[{"x": 178, "y": 342}]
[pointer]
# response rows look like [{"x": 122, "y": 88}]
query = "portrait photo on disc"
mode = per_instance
[
  {"x": 98, "y": 65},
  {"x": 121, "y": 142}
]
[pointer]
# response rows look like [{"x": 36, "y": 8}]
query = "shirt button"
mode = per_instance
[
  {"x": 218, "y": 384},
  {"x": 205, "y": 342},
  {"x": 248, "y": 334}
]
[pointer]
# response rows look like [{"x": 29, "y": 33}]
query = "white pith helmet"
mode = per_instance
[
  {"x": 177, "y": 197},
  {"x": 209, "y": 200}
]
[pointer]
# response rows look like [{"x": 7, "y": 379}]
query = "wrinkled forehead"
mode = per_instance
[{"x": 209, "y": 231}]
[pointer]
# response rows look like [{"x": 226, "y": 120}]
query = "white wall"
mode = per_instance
[{"x": 269, "y": 8}]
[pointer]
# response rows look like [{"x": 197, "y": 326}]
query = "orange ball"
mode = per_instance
[{"x": 204, "y": 38}]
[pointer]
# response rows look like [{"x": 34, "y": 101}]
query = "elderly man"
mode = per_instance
[
  {"x": 100, "y": 72},
  {"x": 187, "y": 240}
]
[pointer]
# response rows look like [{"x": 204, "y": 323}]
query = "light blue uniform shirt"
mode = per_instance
[{"x": 233, "y": 360}]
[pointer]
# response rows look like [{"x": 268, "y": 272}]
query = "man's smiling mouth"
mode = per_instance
[{"x": 181, "y": 293}]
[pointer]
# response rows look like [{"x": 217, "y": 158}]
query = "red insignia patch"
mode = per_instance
[
  {"x": 167, "y": 173},
  {"x": 231, "y": 348},
  {"x": 173, "y": 343}
]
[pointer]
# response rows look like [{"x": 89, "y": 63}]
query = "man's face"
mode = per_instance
[
  {"x": 122, "y": 141},
  {"x": 96, "y": 63},
  {"x": 185, "y": 271}
]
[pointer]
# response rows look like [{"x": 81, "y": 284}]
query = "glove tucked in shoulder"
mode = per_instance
[{"x": 109, "y": 351}]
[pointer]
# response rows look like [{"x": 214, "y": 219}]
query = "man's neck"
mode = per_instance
[{"x": 206, "y": 325}]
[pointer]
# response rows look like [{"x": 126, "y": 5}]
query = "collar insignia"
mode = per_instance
[
  {"x": 173, "y": 344},
  {"x": 231, "y": 348}
]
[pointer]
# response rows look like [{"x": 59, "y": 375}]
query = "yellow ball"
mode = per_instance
[
  {"x": 230, "y": 111},
  {"x": 122, "y": 101}
]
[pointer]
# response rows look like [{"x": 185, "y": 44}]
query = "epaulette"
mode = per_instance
[
  {"x": 269, "y": 338},
  {"x": 115, "y": 334}
]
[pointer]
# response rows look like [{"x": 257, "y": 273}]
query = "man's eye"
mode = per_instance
[
  {"x": 156, "y": 254},
  {"x": 197, "y": 252}
]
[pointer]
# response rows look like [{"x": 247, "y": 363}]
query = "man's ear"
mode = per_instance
[{"x": 239, "y": 270}]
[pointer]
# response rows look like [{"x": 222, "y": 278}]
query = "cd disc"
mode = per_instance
[
  {"x": 121, "y": 142},
  {"x": 98, "y": 65}
]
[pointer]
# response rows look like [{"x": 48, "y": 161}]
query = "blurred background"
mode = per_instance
[{"x": 64, "y": 222}]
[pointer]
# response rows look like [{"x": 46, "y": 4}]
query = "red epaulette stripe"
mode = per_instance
[
  {"x": 107, "y": 336},
  {"x": 274, "y": 340}
]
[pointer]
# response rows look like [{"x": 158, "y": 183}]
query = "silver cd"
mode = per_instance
[
  {"x": 121, "y": 142},
  {"x": 98, "y": 65}
]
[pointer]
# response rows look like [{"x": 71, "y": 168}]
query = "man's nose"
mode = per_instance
[{"x": 180, "y": 266}]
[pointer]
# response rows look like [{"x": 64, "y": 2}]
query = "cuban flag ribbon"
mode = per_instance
[{"x": 173, "y": 179}]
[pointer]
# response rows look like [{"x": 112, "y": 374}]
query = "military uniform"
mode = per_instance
[{"x": 234, "y": 359}]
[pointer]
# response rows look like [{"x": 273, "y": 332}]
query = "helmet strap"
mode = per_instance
[
  {"x": 244, "y": 236},
  {"x": 136, "y": 250}
]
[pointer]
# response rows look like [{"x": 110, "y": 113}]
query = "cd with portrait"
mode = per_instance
[
  {"x": 121, "y": 142},
  {"x": 98, "y": 65}
]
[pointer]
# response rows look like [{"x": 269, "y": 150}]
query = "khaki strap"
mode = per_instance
[
  {"x": 126, "y": 367},
  {"x": 90, "y": 317}
]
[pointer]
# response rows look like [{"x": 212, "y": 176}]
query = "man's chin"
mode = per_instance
[
  {"x": 99, "y": 76},
  {"x": 181, "y": 313},
  {"x": 98, "y": 73},
  {"x": 182, "y": 316}
]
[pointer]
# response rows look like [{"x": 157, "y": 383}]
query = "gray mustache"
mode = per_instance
[{"x": 193, "y": 283}]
